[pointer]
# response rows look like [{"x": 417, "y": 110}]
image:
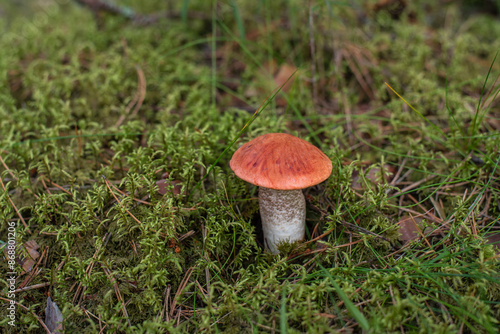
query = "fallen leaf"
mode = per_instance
[
  {"x": 374, "y": 175},
  {"x": 284, "y": 73},
  {"x": 53, "y": 317},
  {"x": 26, "y": 255},
  {"x": 409, "y": 228},
  {"x": 394, "y": 7},
  {"x": 165, "y": 186},
  {"x": 494, "y": 239},
  {"x": 271, "y": 77}
]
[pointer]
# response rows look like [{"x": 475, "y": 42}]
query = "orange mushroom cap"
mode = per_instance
[{"x": 281, "y": 161}]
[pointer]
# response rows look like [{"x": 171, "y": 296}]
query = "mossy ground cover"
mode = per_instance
[{"x": 115, "y": 138}]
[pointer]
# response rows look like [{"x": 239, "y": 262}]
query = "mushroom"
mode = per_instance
[{"x": 281, "y": 165}]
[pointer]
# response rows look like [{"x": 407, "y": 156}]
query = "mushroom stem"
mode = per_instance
[{"x": 283, "y": 215}]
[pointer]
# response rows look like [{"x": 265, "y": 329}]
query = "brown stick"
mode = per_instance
[{"x": 27, "y": 309}]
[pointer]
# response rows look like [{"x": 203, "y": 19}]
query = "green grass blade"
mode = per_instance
[
  {"x": 239, "y": 21},
  {"x": 360, "y": 318},
  {"x": 283, "y": 319},
  {"x": 438, "y": 129}
]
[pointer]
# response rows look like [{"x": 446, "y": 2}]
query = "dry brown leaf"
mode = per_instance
[
  {"x": 375, "y": 175},
  {"x": 164, "y": 186},
  {"x": 494, "y": 239},
  {"x": 270, "y": 78},
  {"x": 412, "y": 228},
  {"x": 394, "y": 7},
  {"x": 26, "y": 255},
  {"x": 408, "y": 229},
  {"x": 284, "y": 73}
]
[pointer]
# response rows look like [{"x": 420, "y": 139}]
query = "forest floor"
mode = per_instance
[{"x": 116, "y": 131}]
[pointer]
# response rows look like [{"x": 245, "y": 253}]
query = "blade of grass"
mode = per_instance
[
  {"x": 450, "y": 113},
  {"x": 239, "y": 20},
  {"x": 353, "y": 310},
  {"x": 438, "y": 129},
  {"x": 283, "y": 319},
  {"x": 256, "y": 61},
  {"x": 184, "y": 10},
  {"x": 214, "y": 52},
  {"x": 257, "y": 113},
  {"x": 475, "y": 122}
]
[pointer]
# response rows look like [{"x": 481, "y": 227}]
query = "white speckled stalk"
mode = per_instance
[{"x": 283, "y": 215}]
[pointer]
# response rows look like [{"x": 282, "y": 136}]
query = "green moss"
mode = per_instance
[{"x": 84, "y": 149}]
